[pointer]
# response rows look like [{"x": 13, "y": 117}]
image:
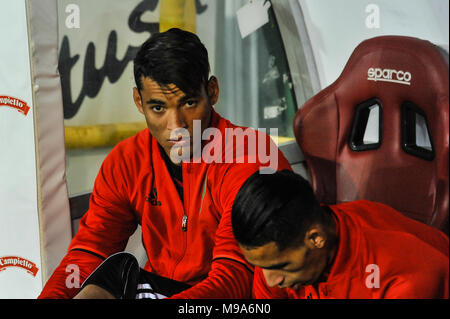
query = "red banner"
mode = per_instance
[
  {"x": 14, "y": 261},
  {"x": 15, "y": 103}
]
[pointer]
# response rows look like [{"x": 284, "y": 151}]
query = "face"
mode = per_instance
[
  {"x": 292, "y": 267},
  {"x": 167, "y": 109}
]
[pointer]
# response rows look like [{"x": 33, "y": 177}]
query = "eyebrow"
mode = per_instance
[
  {"x": 155, "y": 101},
  {"x": 182, "y": 100}
]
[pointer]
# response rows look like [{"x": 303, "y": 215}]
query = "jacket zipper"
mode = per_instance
[
  {"x": 184, "y": 219},
  {"x": 184, "y": 223}
]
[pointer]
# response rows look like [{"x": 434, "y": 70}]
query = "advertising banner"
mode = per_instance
[
  {"x": 20, "y": 258},
  {"x": 34, "y": 212}
]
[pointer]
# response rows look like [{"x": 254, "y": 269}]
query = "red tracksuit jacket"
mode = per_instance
[
  {"x": 134, "y": 187},
  {"x": 412, "y": 258}
]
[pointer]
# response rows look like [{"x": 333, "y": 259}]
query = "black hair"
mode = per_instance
[
  {"x": 278, "y": 208},
  {"x": 173, "y": 57}
]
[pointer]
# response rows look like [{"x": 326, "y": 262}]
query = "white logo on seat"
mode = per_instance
[{"x": 389, "y": 75}]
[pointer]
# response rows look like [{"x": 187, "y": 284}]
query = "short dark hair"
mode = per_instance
[
  {"x": 173, "y": 57},
  {"x": 278, "y": 208}
]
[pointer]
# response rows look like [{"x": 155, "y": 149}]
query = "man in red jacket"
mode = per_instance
[
  {"x": 354, "y": 250},
  {"x": 180, "y": 190}
]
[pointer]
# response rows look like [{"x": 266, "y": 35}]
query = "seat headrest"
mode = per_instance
[
  {"x": 410, "y": 68},
  {"x": 405, "y": 81}
]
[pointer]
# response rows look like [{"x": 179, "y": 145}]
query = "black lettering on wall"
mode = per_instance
[
  {"x": 199, "y": 7},
  {"x": 112, "y": 68}
]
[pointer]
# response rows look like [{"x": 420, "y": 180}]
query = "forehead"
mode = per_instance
[
  {"x": 263, "y": 254},
  {"x": 152, "y": 88}
]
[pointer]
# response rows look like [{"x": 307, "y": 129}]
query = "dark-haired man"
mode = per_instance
[
  {"x": 359, "y": 249},
  {"x": 180, "y": 190}
]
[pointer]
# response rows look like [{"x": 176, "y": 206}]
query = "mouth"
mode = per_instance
[{"x": 178, "y": 142}]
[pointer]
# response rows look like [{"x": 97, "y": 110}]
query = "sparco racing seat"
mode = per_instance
[{"x": 380, "y": 131}]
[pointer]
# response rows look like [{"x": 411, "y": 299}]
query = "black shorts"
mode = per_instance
[{"x": 122, "y": 277}]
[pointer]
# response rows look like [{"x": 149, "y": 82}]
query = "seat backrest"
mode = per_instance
[{"x": 381, "y": 130}]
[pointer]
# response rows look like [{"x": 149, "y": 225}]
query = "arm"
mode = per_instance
[
  {"x": 103, "y": 230},
  {"x": 430, "y": 284},
  {"x": 227, "y": 279},
  {"x": 70, "y": 274},
  {"x": 231, "y": 276}
]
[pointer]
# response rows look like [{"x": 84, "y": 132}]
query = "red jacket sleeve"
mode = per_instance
[
  {"x": 103, "y": 230},
  {"x": 430, "y": 282},
  {"x": 231, "y": 276},
  {"x": 73, "y": 270},
  {"x": 226, "y": 280},
  {"x": 420, "y": 286}
]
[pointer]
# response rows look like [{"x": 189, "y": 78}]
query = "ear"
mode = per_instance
[
  {"x": 316, "y": 237},
  {"x": 213, "y": 90},
  {"x": 138, "y": 100}
]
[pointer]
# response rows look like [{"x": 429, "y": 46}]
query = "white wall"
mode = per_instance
[{"x": 337, "y": 27}]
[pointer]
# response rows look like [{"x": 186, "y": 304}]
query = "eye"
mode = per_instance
[
  {"x": 157, "y": 108},
  {"x": 191, "y": 103}
]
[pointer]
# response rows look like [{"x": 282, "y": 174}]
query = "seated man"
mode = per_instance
[
  {"x": 358, "y": 249},
  {"x": 177, "y": 179}
]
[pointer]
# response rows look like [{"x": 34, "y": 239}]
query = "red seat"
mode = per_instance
[{"x": 409, "y": 79}]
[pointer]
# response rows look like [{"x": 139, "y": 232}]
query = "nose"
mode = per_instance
[
  {"x": 273, "y": 278},
  {"x": 175, "y": 120}
]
